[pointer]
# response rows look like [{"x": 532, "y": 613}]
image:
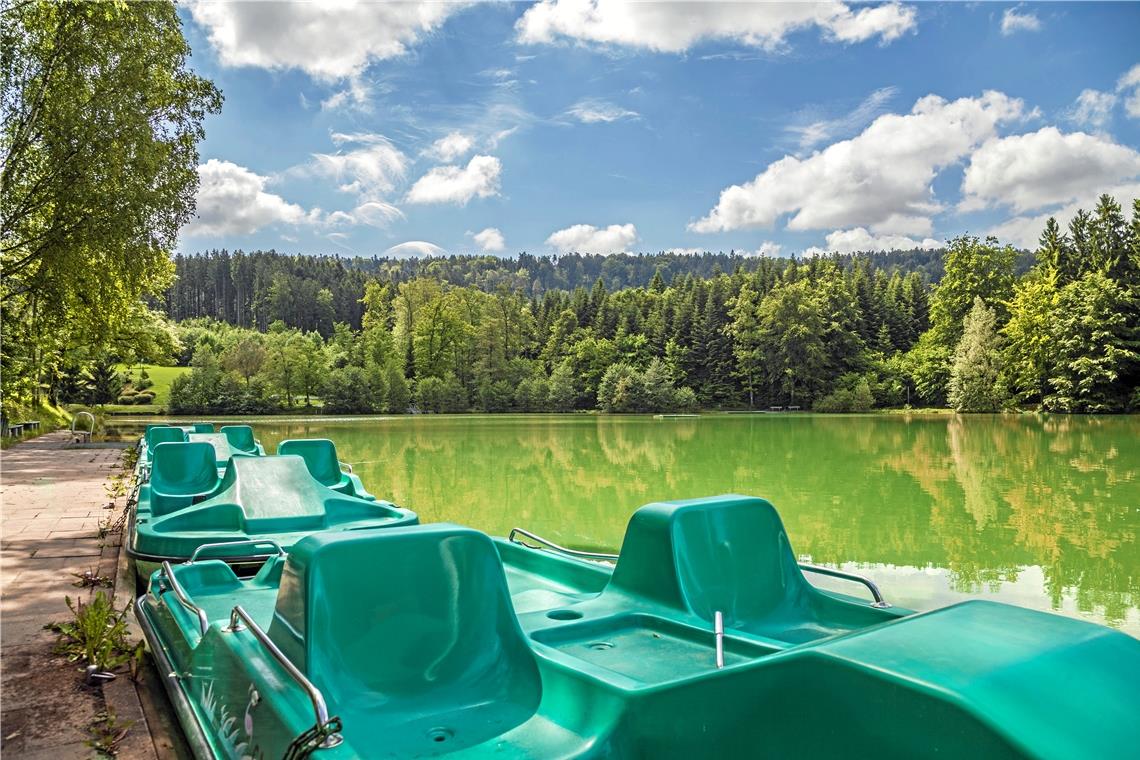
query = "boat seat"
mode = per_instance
[
  {"x": 324, "y": 465},
  {"x": 729, "y": 554},
  {"x": 181, "y": 473},
  {"x": 163, "y": 434},
  {"x": 428, "y": 653},
  {"x": 240, "y": 438},
  {"x": 203, "y": 427}
]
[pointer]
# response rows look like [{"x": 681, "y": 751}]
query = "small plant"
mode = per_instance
[
  {"x": 92, "y": 579},
  {"x": 107, "y": 732},
  {"x": 98, "y": 634}
]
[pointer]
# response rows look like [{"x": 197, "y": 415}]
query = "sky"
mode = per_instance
[{"x": 414, "y": 129}]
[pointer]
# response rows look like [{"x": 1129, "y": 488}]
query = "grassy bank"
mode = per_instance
[
  {"x": 50, "y": 418},
  {"x": 161, "y": 377}
]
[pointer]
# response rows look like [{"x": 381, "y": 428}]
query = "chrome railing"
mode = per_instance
[
  {"x": 228, "y": 544},
  {"x": 515, "y": 532},
  {"x": 240, "y": 621},
  {"x": 879, "y": 603},
  {"x": 183, "y": 599}
]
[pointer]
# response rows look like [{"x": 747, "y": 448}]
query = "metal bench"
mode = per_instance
[{"x": 82, "y": 436}]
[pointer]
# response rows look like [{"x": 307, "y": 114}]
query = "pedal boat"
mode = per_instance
[
  {"x": 230, "y": 441},
  {"x": 703, "y": 640},
  {"x": 257, "y": 506}
]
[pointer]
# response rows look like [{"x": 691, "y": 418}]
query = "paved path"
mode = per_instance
[{"x": 53, "y": 502}]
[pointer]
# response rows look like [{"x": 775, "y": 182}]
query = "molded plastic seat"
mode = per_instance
[
  {"x": 240, "y": 438},
  {"x": 203, "y": 427},
  {"x": 430, "y": 649},
  {"x": 163, "y": 434},
  {"x": 181, "y": 472},
  {"x": 324, "y": 465},
  {"x": 729, "y": 553}
]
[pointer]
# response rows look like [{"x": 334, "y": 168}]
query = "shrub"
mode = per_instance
[
  {"x": 143, "y": 382},
  {"x": 127, "y": 399}
]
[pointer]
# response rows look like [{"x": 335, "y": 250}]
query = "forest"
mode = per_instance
[{"x": 839, "y": 333}]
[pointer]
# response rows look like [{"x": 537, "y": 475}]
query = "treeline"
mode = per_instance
[
  {"x": 829, "y": 333},
  {"x": 315, "y": 292}
]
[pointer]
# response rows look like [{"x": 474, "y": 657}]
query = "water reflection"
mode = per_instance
[{"x": 1043, "y": 512}]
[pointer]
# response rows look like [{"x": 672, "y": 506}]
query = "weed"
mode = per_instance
[
  {"x": 92, "y": 579},
  {"x": 98, "y": 634},
  {"x": 107, "y": 731}
]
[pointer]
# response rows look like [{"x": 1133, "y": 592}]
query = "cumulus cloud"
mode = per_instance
[
  {"x": 821, "y": 131},
  {"x": 1013, "y": 22},
  {"x": 590, "y": 239},
  {"x": 456, "y": 184},
  {"x": 675, "y": 27},
  {"x": 593, "y": 111},
  {"x": 450, "y": 147},
  {"x": 1024, "y": 231},
  {"x": 879, "y": 179},
  {"x": 372, "y": 169},
  {"x": 1044, "y": 168},
  {"x": 1129, "y": 88},
  {"x": 232, "y": 201},
  {"x": 414, "y": 249},
  {"x": 490, "y": 240},
  {"x": 329, "y": 41},
  {"x": 1092, "y": 108},
  {"x": 769, "y": 248},
  {"x": 861, "y": 239}
]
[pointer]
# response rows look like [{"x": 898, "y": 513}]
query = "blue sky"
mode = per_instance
[{"x": 416, "y": 128}]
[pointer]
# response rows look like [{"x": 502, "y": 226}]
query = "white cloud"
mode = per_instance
[
  {"x": 328, "y": 40},
  {"x": 587, "y": 238},
  {"x": 881, "y": 178},
  {"x": 455, "y": 184},
  {"x": 1045, "y": 168},
  {"x": 860, "y": 239},
  {"x": 1129, "y": 87},
  {"x": 414, "y": 249},
  {"x": 810, "y": 135},
  {"x": 1092, "y": 108},
  {"x": 232, "y": 201},
  {"x": 450, "y": 147},
  {"x": 490, "y": 240},
  {"x": 675, "y": 27},
  {"x": 1025, "y": 231},
  {"x": 356, "y": 95},
  {"x": 1012, "y": 22},
  {"x": 592, "y": 111},
  {"x": 769, "y": 248},
  {"x": 371, "y": 170},
  {"x": 372, "y": 213},
  {"x": 680, "y": 251}
]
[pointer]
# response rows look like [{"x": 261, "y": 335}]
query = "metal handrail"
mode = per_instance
[
  {"x": 183, "y": 599},
  {"x": 346, "y": 467},
  {"x": 880, "y": 602},
  {"x": 238, "y": 616},
  {"x": 560, "y": 549},
  {"x": 76, "y": 419},
  {"x": 247, "y": 542}
]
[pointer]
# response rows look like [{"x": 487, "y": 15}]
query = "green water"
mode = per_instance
[{"x": 1041, "y": 512}]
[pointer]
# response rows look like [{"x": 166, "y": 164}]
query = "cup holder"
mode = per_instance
[{"x": 564, "y": 615}]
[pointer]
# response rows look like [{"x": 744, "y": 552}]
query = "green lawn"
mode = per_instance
[{"x": 162, "y": 377}]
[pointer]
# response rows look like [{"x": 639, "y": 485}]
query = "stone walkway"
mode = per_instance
[{"x": 53, "y": 503}]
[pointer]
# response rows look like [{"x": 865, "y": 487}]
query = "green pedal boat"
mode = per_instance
[
  {"x": 230, "y": 441},
  {"x": 249, "y": 508},
  {"x": 704, "y": 639}
]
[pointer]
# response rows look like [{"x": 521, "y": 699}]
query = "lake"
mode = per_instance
[{"x": 1042, "y": 512}]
